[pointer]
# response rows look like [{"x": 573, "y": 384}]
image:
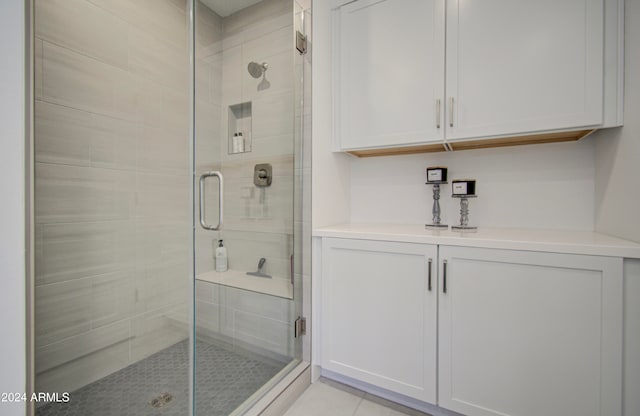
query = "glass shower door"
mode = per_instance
[
  {"x": 248, "y": 174},
  {"x": 113, "y": 264}
]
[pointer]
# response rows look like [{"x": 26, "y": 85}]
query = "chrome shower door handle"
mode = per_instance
[
  {"x": 203, "y": 215},
  {"x": 438, "y": 113}
]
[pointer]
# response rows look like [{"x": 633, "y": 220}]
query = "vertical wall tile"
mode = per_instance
[
  {"x": 162, "y": 275},
  {"x": 259, "y": 19},
  {"x": 256, "y": 303},
  {"x": 273, "y": 115},
  {"x": 84, "y": 370},
  {"x": 156, "y": 60},
  {"x": 159, "y": 18},
  {"x": 155, "y": 331},
  {"x": 163, "y": 196},
  {"x": 210, "y": 144},
  {"x": 208, "y": 318},
  {"x": 81, "y": 26},
  {"x": 62, "y": 310},
  {"x": 73, "y": 194},
  {"x": 69, "y": 349},
  {"x": 256, "y": 330},
  {"x": 77, "y": 81},
  {"x": 76, "y": 250},
  {"x": 112, "y": 297},
  {"x": 162, "y": 151},
  {"x": 113, "y": 142},
  {"x": 62, "y": 135}
]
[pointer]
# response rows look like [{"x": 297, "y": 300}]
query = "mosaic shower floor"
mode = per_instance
[{"x": 224, "y": 380}]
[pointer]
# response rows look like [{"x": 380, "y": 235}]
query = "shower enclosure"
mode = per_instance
[{"x": 161, "y": 129}]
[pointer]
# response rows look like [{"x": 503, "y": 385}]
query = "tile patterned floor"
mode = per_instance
[
  {"x": 328, "y": 398},
  {"x": 225, "y": 379}
]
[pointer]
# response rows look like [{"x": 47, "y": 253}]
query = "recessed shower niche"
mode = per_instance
[{"x": 240, "y": 121}]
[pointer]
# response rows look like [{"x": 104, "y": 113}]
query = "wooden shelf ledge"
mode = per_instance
[{"x": 565, "y": 136}]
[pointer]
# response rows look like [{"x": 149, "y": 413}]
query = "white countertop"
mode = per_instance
[{"x": 555, "y": 241}]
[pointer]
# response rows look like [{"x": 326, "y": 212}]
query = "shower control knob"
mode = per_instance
[{"x": 262, "y": 174}]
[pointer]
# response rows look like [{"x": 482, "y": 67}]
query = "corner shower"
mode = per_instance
[{"x": 154, "y": 124}]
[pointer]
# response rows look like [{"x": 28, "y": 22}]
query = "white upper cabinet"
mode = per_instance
[
  {"x": 389, "y": 72},
  {"x": 514, "y": 68},
  {"x": 523, "y": 66}
]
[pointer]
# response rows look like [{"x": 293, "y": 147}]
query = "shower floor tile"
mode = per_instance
[{"x": 224, "y": 380}]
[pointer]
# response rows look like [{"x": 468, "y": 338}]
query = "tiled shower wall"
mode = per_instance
[
  {"x": 258, "y": 222},
  {"x": 112, "y": 185}
]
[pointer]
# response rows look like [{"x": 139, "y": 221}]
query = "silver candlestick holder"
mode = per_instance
[
  {"x": 435, "y": 211},
  {"x": 464, "y": 214}
]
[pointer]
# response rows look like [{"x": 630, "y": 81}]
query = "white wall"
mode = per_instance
[
  {"x": 12, "y": 211},
  {"x": 537, "y": 186},
  {"x": 618, "y": 150},
  {"x": 331, "y": 172}
]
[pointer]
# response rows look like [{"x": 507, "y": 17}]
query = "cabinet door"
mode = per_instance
[
  {"x": 389, "y": 75},
  {"x": 519, "y": 66},
  {"x": 529, "y": 334},
  {"x": 379, "y": 314}
]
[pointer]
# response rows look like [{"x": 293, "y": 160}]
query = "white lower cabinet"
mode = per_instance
[
  {"x": 379, "y": 314},
  {"x": 517, "y": 332},
  {"x": 528, "y": 333}
]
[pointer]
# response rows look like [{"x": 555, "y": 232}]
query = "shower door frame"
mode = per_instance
[{"x": 29, "y": 203}]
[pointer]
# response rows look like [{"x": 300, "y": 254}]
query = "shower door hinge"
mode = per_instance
[
  {"x": 301, "y": 42},
  {"x": 300, "y": 327}
]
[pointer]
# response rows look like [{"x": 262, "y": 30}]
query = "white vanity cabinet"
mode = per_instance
[
  {"x": 526, "y": 70},
  {"x": 524, "y": 333},
  {"x": 379, "y": 314},
  {"x": 528, "y": 333}
]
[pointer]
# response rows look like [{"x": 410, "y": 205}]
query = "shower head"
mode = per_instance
[{"x": 256, "y": 70}]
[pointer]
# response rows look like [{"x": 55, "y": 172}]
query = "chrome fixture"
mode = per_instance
[
  {"x": 203, "y": 215},
  {"x": 262, "y": 175},
  {"x": 257, "y": 70},
  {"x": 259, "y": 272}
]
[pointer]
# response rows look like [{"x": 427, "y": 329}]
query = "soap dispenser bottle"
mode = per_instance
[{"x": 221, "y": 258}]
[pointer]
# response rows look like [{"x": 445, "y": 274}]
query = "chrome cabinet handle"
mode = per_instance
[
  {"x": 451, "y": 112},
  {"x": 444, "y": 276},
  {"x": 429, "y": 275},
  {"x": 438, "y": 113},
  {"x": 203, "y": 221}
]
